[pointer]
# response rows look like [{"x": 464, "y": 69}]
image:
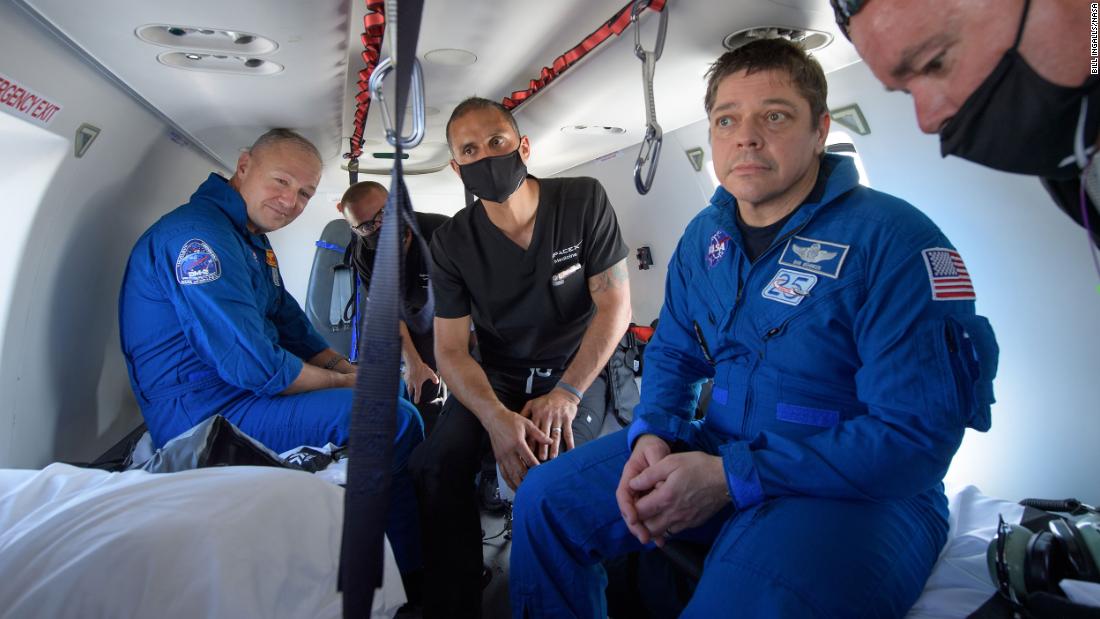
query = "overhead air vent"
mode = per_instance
[
  {"x": 809, "y": 40},
  {"x": 592, "y": 130},
  {"x": 213, "y": 40},
  {"x": 219, "y": 63}
]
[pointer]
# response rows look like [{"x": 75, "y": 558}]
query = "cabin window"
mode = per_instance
[
  {"x": 710, "y": 172},
  {"x": 841, "y": 143}
]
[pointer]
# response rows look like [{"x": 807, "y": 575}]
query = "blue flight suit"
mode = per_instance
[
  {"x": 847, "y": 361},
  {"x": 207, "y": 327}
]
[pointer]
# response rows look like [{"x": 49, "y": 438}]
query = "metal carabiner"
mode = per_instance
[
  {"x": 650, "y": 151},
  {"x": 418, "y": 124},
  {"x": 662, "y": 28}
]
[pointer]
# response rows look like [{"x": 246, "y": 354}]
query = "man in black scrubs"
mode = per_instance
[
  {"x": 362, "y": 206},
  {"x": 538, "y": 267}
]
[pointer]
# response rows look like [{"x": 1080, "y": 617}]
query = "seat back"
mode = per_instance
[{"x": 331, "y": 285}]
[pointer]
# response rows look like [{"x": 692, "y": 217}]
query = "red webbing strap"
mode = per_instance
[
  {"x": 614, "y": 26},
  {"x": 374, "y": 25}
]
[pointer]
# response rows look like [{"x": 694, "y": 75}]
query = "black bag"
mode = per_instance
[
  {"x": 214, "y": 442},
  {"x": 622, "y": 391}
]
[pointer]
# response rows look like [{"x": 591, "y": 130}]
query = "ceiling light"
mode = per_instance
[
  {"x": 219, "y": 64},
  {"x": 809, "y": 40},
  {"x": 191, "y": 38},
  {"x": 451, "y": 57}
]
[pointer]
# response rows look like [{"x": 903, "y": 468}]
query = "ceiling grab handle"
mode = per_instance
[
  {"x": 650, "y": 151},
  {"x": 418, "y": 125}
]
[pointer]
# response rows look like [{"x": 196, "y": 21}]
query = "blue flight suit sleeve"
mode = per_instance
[
  {"x": 926, "y": 374},
  {"x": 222, "y": 319},
  {"x": 675, "y": 366},
  {"x": 296, "y": 332}
]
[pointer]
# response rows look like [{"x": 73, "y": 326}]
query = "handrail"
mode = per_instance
[{"x": 650, "y": 150}]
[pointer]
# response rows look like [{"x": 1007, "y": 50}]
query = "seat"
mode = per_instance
[{"x": 331, "y": 285}]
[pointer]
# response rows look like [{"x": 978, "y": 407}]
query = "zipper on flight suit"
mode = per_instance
[
  {"x": 771, "y": 248},
  {"x": 747, "y": 413}
]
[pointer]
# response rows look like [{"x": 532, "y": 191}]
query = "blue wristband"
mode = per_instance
[{"x": 564, "y": 386}]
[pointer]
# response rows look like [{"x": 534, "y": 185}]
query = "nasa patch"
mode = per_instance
[
  {"x": 719, "y": 243},
  {"x": 197, "y": 264},
  {"x": 821, "y": 257},
  {"x": 789, "y": 286}
]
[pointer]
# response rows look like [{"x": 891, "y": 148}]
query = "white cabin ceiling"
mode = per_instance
[{"x": 319, "y": 48}]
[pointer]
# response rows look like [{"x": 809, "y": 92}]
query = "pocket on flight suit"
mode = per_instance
[
  {"x": 972, "y": 348},
  {"x": 957, "y": 355},
  {"x": 804, "y": 408}
]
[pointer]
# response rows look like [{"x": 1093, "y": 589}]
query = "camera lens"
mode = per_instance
[
  {"x": 252, "y": 63},
  {"x": 176, "y": 31}
]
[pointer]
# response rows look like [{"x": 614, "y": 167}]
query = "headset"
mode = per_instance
[{"x": 1022, "y": 562}]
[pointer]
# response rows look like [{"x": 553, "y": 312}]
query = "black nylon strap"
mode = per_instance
[{"x": 373, "y": 417}]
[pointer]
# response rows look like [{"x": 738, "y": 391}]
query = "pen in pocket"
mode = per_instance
[{"x": 559, "y": 278}]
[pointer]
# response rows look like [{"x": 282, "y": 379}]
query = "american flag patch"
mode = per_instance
[{"x": 948, "y": 275}]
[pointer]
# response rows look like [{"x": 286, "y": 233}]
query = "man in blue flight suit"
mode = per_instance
[
  {"x": 838, "y": 326},
  {"x": 207, "y": 326}
]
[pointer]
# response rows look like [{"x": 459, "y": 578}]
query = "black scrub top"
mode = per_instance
[{"x": 530, "y": 308}]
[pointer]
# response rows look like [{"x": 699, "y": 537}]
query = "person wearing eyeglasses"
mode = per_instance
[{"x": 363, "y": 206}]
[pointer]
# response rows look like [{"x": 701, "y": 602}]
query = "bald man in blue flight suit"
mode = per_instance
[
  {"x": 207, "y": 326},
  {"x": 838, "y": 326}
]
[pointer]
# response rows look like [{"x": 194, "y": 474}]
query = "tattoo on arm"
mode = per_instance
[{"x": 613, "y": 277}]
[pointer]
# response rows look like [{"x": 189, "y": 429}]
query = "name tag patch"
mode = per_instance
[
  {"x": 273, "y": 263},
  {"x": 789, "y": 286},
  {"x": 821, "y": 257},
  {"x": 197, "y": 264}
]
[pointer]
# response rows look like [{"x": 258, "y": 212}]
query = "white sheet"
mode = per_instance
[
  {"x": 220, "y": 542},
  {"x": 960, "y": 580}
]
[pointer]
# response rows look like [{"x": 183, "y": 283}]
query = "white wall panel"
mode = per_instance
[
  {"x": 658, "y": 218},
  {"x": 65, "y": 394}
]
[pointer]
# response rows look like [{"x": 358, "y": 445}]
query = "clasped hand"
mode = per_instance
[
  {"x": 553, "y": 414},
  {"x": 661, "y": 493},
  {"x": 511, "y": 435}
]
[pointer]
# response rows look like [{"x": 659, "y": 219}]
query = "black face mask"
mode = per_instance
[
  {"x": 494, "y": 178},
  {"x": 1017, "y": 121},
  {"x": 370, "y": 241}
]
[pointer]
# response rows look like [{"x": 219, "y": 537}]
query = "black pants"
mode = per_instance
[
  {"x": 444, "y": 468},
  {"x": 430, "y": 405}
]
